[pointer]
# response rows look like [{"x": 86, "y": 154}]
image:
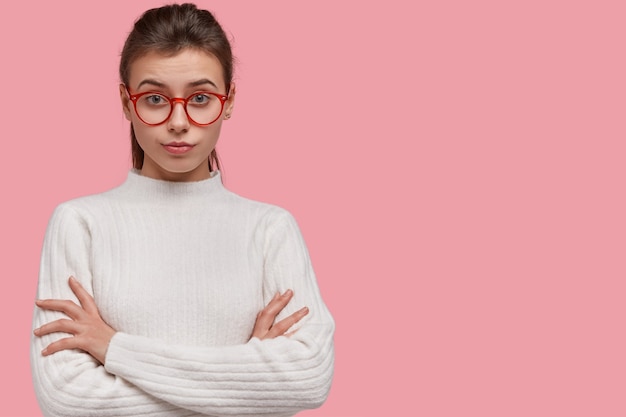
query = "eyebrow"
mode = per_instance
[
  {"x": 191, "y": 84},
  {"x": 202, "y": 81}
]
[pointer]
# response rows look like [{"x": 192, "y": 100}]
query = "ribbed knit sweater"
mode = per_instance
[{"x": 181, "y": 270}]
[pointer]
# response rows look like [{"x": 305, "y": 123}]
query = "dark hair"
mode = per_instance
[{"x": 168, "y": 30}]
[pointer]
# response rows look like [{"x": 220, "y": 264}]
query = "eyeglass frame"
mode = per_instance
[{"x": 173, "y": 100}]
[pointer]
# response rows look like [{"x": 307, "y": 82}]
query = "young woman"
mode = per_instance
[{"x": 184, "y": 299}]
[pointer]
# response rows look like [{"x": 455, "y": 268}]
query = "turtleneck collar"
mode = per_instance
[{"x": 150, "y": 188}]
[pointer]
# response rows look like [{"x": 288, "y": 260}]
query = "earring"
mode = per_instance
[{"x": 227, "y": 116}]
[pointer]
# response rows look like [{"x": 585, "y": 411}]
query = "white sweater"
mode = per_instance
[{"x": 181, "y": 270}]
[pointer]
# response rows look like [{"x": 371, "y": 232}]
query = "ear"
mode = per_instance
[
  {"x": 125, "y": 102},
  {"x": 229, "y": 105}
]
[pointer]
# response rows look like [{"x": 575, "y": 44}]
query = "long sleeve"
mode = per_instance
[
  {"x": 180, "y": 271},
  {"x": 275, "y": 377},
  {"x": 72, "y": 383}
]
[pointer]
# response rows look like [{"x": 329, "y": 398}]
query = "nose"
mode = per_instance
[{"x": 178, "y": 121}]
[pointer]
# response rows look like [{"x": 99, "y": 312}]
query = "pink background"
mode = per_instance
[{"x": 456, "y": 168}]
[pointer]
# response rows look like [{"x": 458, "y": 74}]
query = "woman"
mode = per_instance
[{"x": 184, "y": 298}]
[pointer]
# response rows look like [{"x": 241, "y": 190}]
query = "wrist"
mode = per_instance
[{"x": 102, "y": 345}]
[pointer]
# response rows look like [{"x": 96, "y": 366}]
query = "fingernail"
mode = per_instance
[
  {"x": 288, "y": 293},
  {"x": 304, "y": 310},
  {"x": 44, "y": 351},
  {"x": 36, "y": 331},
  {"x": 38, "y": 302},
  {"x": 72, "y": 279}
]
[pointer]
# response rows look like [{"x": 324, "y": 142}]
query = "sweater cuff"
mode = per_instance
[{"x": 115, "y": 352}]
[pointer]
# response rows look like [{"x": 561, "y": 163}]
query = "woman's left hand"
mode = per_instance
[
  {"x": 265, "y": 326},
  {"x": 90, "y": 332}
]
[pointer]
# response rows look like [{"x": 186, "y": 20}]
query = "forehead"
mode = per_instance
[{"x": 177, "y": 70}]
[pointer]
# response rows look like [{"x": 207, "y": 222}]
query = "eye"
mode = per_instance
[
  {"x": 200, "y": 98},
  {"x": 155, "y": 99}
]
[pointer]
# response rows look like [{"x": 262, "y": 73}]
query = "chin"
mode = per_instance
[{"x": 201, "y": 170}]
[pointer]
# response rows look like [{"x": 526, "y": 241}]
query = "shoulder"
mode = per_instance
[
  {"x": 269, "y": 223},
  {"x": 266, "y": 214},
  {"x": 85, "y": 208}
]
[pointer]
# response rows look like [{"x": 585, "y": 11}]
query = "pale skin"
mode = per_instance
[{"x": 175, "y": 76}]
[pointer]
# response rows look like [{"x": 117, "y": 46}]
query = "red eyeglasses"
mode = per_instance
[{"x": 202, "y": 107}]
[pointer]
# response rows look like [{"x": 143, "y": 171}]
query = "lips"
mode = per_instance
[{"x": 178, "y": 148}]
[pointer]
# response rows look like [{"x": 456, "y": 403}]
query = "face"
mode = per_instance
[{"x": 176, "y": 150}]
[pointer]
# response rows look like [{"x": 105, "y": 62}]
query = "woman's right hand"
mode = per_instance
[{"x": 265, "y": 328}]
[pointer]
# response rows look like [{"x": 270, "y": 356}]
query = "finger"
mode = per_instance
[
  {"x": 261, "y": 325},
  {"x": 285, "y": 324},
  {"x": 264, "y": 320},
  {"x": 278, "y": 303},
  {"x": 266, "y": 317},
  {"x": 289, "y": 334},
  {"x": 64, "y": 306},
  {"x": 86, "y": 300},
  {"x": 61, "y": 344},
  {"x": 61, "y": 325}
]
